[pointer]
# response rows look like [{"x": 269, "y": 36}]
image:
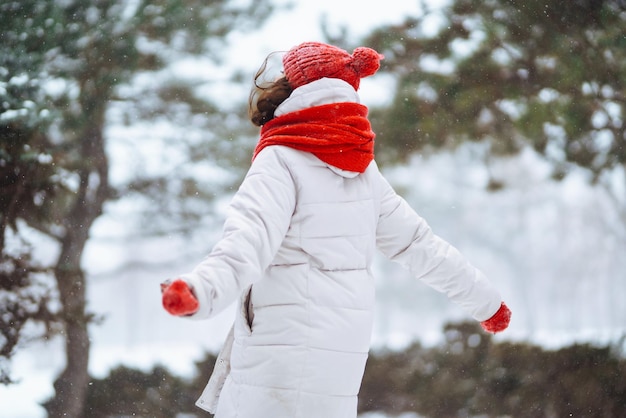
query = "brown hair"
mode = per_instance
[{"x": 266, "y": 96}]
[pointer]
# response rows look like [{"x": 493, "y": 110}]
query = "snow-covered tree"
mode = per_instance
[
  {"x": 512, "y": 73},
  {"x": 62, "y": 66}
]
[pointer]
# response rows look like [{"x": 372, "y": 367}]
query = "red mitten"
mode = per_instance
[
  {"x": 499, "y": 321},
  {"x": 178, "y": 299}
]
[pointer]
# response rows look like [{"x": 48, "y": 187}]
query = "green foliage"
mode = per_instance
[
  {"x": 511, "y": 73},
  {"x": 128, "y": 392},
  {"x": 29, "y": 180},
  {"x": 25, "y": 296},
  {"x": 154, "y": 394},
  {"x": 467, "y": 375},
  {"x": 470, "y": 375}
]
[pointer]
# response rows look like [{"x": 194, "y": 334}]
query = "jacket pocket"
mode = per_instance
[{"x": 246, "y": 309}]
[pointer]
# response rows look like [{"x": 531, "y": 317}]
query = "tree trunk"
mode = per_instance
[{"x": 71, "y": 385}]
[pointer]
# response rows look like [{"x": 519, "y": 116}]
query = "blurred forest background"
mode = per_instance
[{"x": 123, "y": 133}]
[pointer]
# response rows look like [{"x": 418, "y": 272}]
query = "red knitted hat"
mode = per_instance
[{"x": 311, "y": 61}]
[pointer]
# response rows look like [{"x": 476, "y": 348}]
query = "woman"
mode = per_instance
[{"x": 298, "y": 245}]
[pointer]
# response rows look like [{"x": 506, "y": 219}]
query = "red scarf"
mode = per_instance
[{"x": 338, "y": 134}]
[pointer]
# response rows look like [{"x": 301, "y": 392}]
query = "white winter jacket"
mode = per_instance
[{"x": 297, "y": 251}]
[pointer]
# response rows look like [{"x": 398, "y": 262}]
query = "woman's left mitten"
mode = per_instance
[{"x": 499, "y": 321}]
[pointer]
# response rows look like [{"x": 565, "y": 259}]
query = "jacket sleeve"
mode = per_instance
[
  {"x": 403, "y": 236},
  {"x": 256, "y": 223}
]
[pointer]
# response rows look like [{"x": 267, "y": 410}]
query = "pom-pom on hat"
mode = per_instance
[{"x": 311, "y": 61}]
